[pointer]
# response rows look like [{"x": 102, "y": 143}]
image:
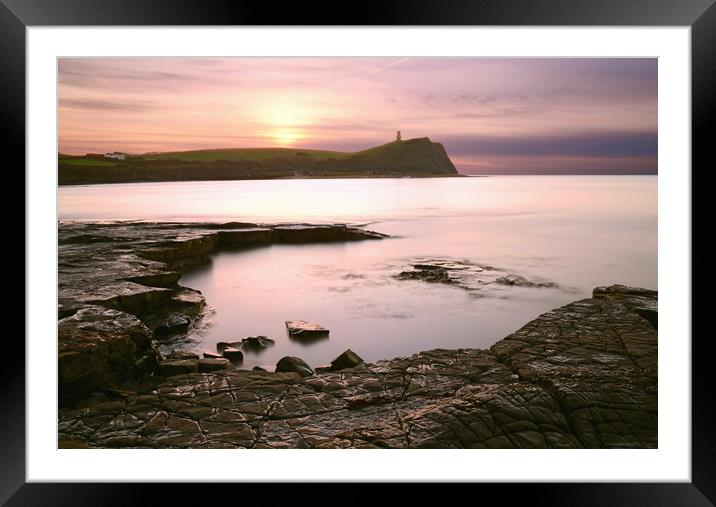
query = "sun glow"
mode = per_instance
[
  {"x": 283, "y": 121},
  {"x": 285, "y": 137}
]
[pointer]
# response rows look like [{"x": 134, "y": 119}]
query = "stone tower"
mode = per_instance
[{"x": 397, "y": 136}]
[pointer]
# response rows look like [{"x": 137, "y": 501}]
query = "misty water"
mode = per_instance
[{"x": 577, "y": 232}]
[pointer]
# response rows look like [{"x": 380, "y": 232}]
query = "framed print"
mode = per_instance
[{"x": 426, "y": 247}]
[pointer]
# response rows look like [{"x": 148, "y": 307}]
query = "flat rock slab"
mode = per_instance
[
  {"x": 213, "y": 364},
  {"x": 583, "y": 375},
  {"x": 304, "y": 328}
]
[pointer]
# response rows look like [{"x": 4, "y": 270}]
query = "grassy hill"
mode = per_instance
[
  {"x": 409, "y": 158},
  {"x": 244, "y": 154},
  {"x": 86, "y": 161}
]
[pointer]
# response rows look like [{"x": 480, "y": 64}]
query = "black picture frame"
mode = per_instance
[{"x": 700, "y": 15}]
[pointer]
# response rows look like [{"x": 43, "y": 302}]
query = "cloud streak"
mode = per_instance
[{"x": 592, "y": 144}]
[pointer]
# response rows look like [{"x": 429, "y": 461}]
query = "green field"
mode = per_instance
[
  {"x": 84, "y": 161},
  {"x": 245, "y": 154},
  {"x": 249, "y": 154}
]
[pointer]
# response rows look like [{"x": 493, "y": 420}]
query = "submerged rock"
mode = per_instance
[
  {"x": 295, "y": 365},
  {"x": 257, "y": 342},
  {"x": 521, "y": 281},
  {"x": 348, "y": 359},
  {"x": 305, "y": 328},
  {"x": 432, "y": 274},
  {"x": 482, "y": 279}
]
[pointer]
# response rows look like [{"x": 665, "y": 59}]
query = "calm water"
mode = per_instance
[{"x": 575, "y": 231}]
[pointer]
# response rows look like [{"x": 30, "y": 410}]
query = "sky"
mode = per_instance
[{"x": 494, "y": 116}]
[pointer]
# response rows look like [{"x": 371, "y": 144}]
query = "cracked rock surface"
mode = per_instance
[{"x": 583, "y": 375}]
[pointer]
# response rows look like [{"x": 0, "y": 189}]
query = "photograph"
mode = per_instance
[
  {"x": 429, "y": 244},
  {"x": 394, "y": 252}
]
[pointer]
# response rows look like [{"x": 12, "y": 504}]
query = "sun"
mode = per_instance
[
  {"x": 283, "y": 122},
  {"x": 285, "y": 136}
]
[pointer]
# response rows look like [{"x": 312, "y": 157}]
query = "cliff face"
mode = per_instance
[{"x": 418, "y": 157}]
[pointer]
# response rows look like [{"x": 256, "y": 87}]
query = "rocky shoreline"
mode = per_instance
[
  {"x": 119, "y": 292},
  {"x": 583, "y": 375}
]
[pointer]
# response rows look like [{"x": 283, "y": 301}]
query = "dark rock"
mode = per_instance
[
  {"x": 521, "y": 281},
  {"x": 233, "y": 354},
  {"x": 625, "y": 293},
  {"x": 303, "y": 233},
  {"x": 428, "y": 267},
  {"x": 116, "y": 394},
  {"x": 177, "y": 366},
  {"x": 101, "y": 347},
  {"x": 482, "y": 279},
  {"x": 177, "y": 315},
  {"x": 294, "y": 364},
  {"x": 167, "y": 279},
  {"x": 93, "y": 399},
  {"x": 434, "y": 274},
  {"x": 258, "y": 368},
  {"x": 212, "y": 355},
  {"x": 182, "y": 354},
  {"x": 644, "y": 302},
  {"x": 650, "y": 314},
  {"x": 167, "y": 327},
  {"x": 247, "y": 237},
  {"x": 257, "y": 342},
  {"x": 304, "y": 328},
  {"x": 190, "y": 301},
  {"x": 213, "y": 364},
  {"x": 130, "y": 297},
  {"x": 348, "y": 359}
]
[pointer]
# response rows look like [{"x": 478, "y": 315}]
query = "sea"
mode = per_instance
[{"x": 515, "y": 247}]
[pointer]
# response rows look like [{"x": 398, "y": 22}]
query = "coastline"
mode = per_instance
[
  {"x": 336, "y": 177},
  {"x": 546, "y": 385}
]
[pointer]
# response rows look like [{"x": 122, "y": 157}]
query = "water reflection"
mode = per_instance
[{"x": 308, "y": 340}]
